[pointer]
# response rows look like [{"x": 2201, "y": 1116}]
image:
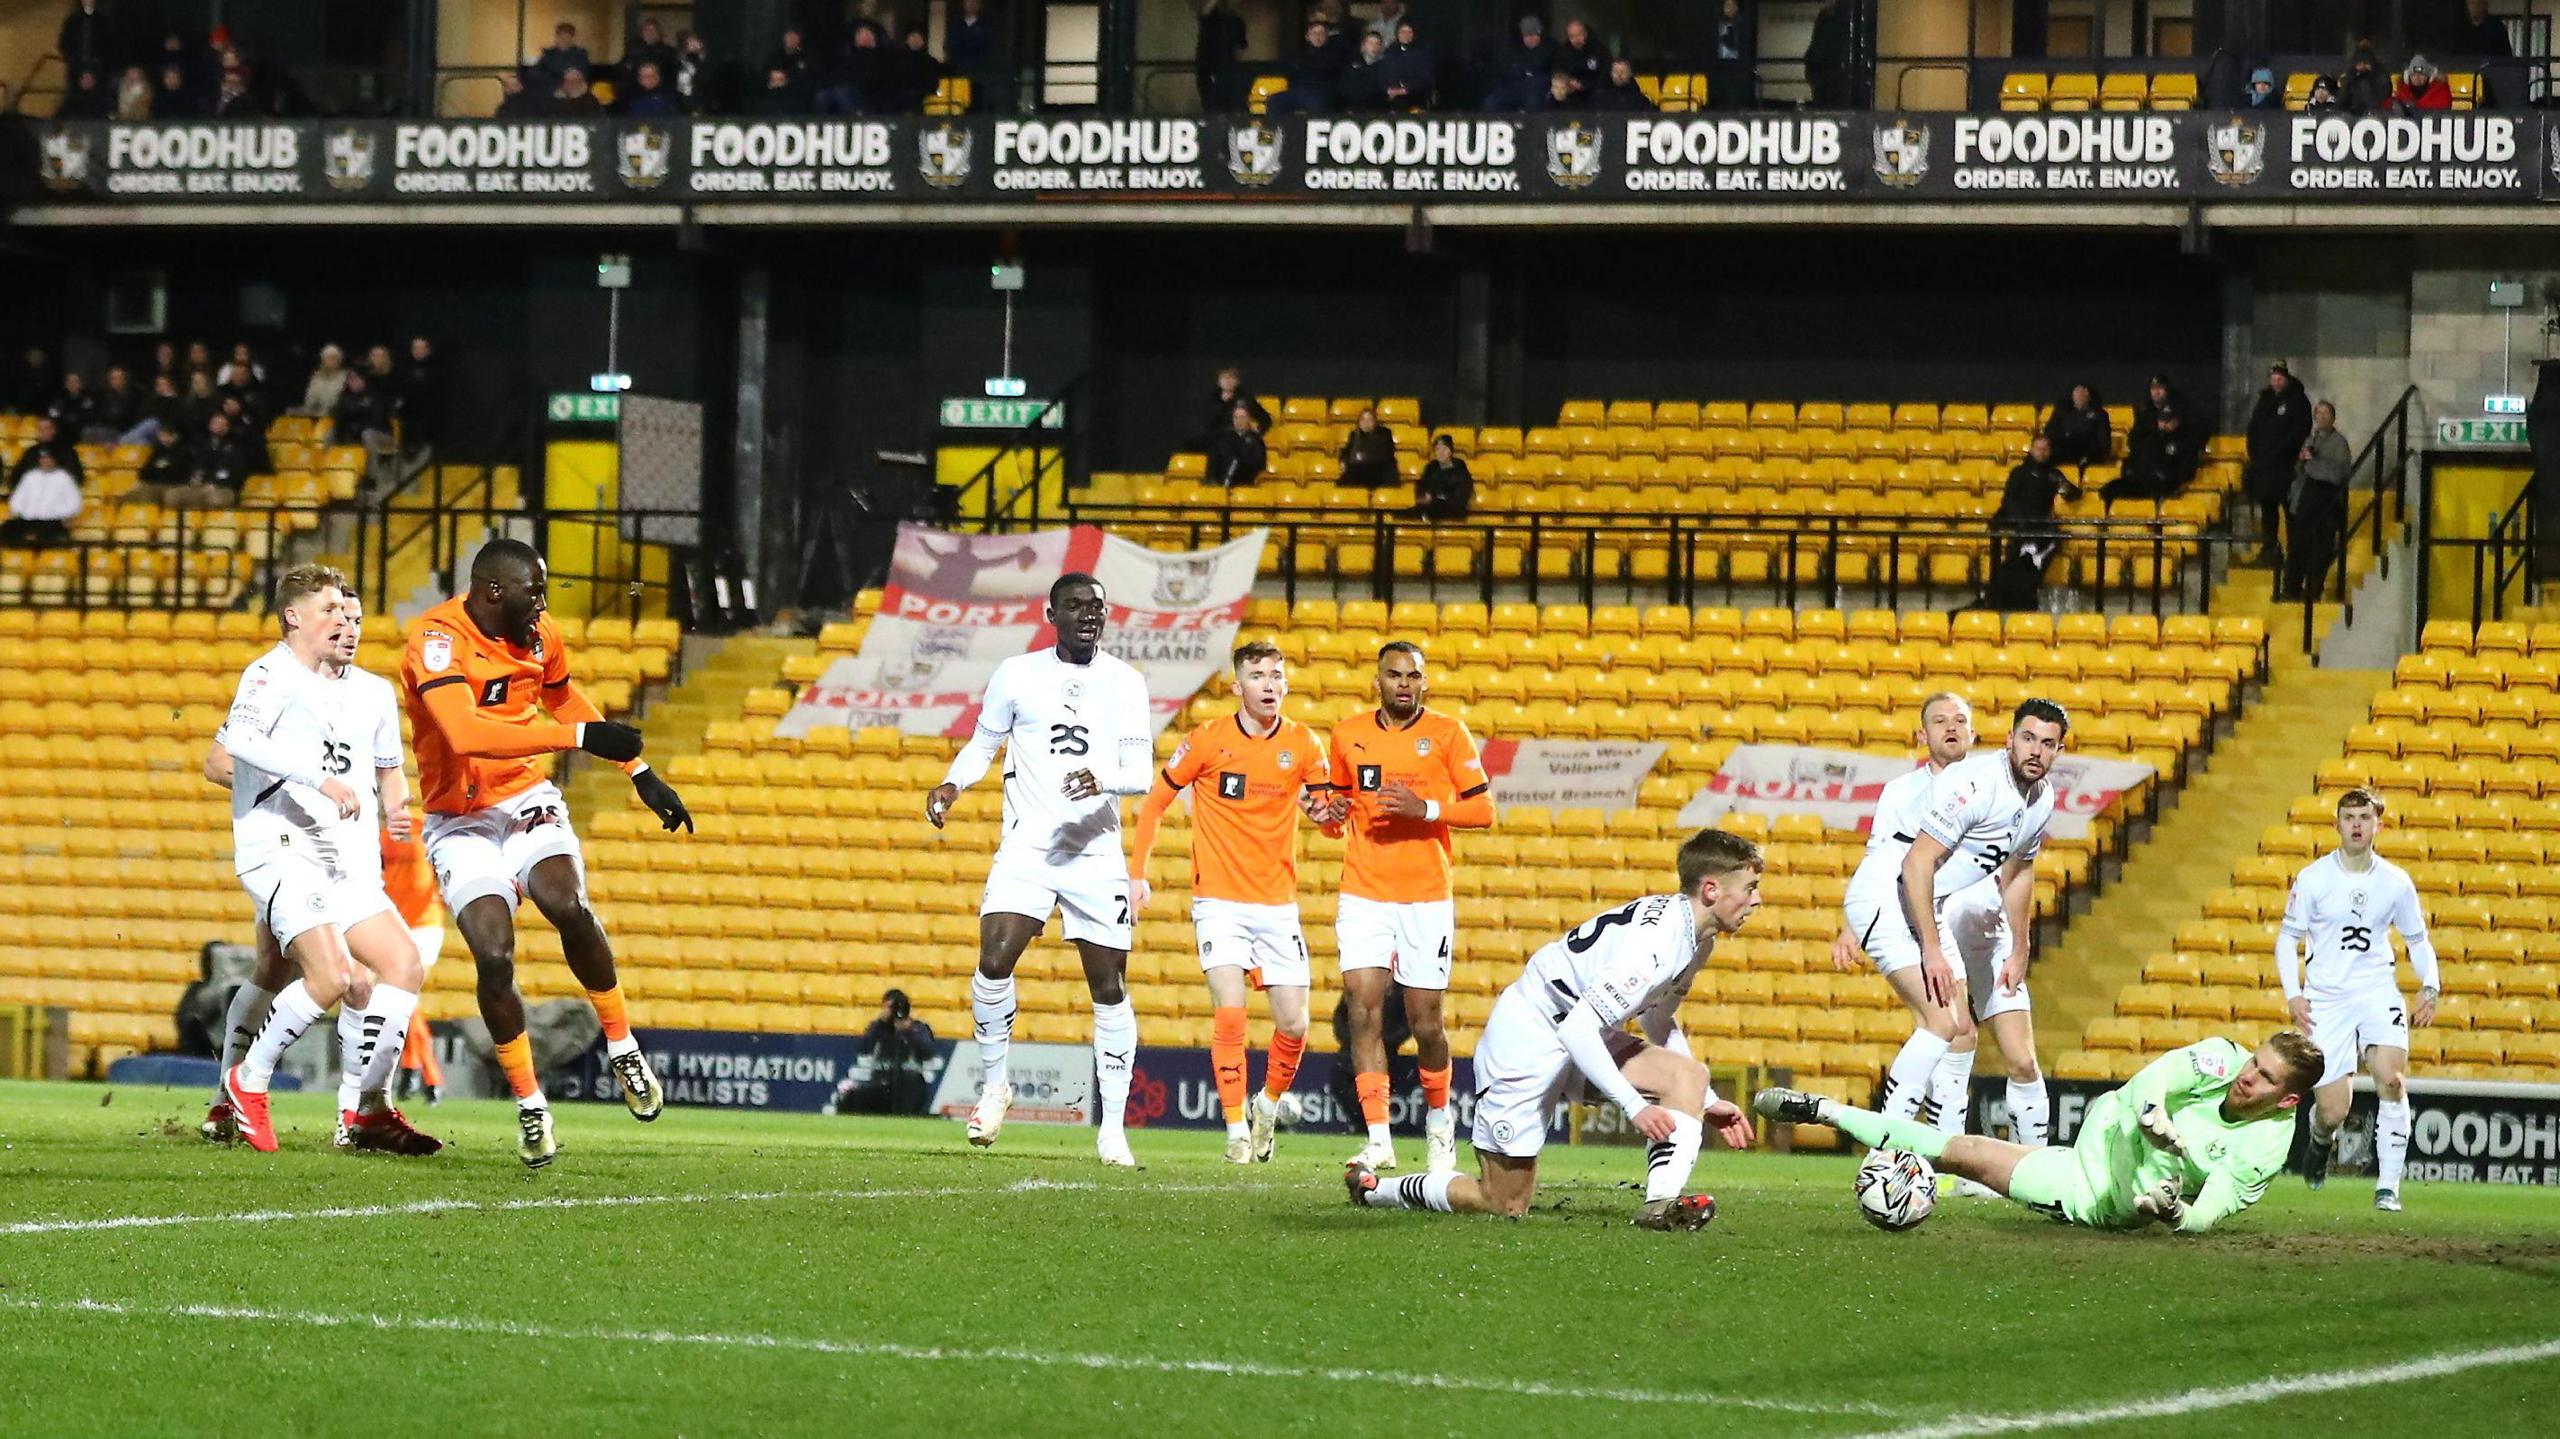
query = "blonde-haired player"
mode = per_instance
[{"x": 1250, "y": 775}]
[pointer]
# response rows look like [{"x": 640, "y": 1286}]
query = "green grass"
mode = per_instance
[{"x": 759, "y": 1292}]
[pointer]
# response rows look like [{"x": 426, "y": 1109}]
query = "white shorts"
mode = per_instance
[
  {"x": 1262, "y": 938},
  {"x": 1972, "y": 927},
  {"x": 1090, "y": 890},
  {"x": 295, "y": 896},
  {"x": 430, "y": 941},
  {"x": 491, "y": 852},
  {"x": 2345, "y": 1025},
  {"x": 1416, "y": 941},
  {"x": 1522, "y": 1070}
]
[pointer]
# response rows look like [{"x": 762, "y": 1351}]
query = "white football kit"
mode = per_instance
[
  {"x": 2354, "y": 992},
  {"x": 1053, "y": 718},
  {"x": 291, "y": 728},
  {"x": 1564, "y": 1012},
  {"x": 1973, "y": 927}
]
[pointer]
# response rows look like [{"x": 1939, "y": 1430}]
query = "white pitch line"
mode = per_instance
[
  {"x": 607, "y": 1201},
  {"x": 858, "y": 1349},
  {"x": 2192, "y": 1401}
]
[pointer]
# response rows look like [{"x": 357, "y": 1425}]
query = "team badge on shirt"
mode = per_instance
[
  {"x": 437, "y": 653},
  {"x": 2212, "y": 1063},
  {"x": 1422, "y": 746},
  {"x": 1287, "y": 759}
]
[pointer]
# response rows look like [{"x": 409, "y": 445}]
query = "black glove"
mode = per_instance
[
  {"x": 604, "y": 739},
  {"x": 661, "y": 799}
]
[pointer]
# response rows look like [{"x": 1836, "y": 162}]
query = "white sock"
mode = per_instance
[
  {"x": 2390, "y": 1141},
  {"x": 352, "y": 1054},
  {"x": 1906, "y": 1082},
  {"x": 535, "y": 1100},
  {"x": 1668, "y": 1161},
  {"x": 991, "y": 1007},
  {"x": 240, "y": 1024},
  {"x": 2030, "y": 1113},
  {"x": 392, "y": 1009},
  {"x": 292, "y": 1013},
  {"x": 1115, "y": 1053},
  {"x": 1239, "y": 1130},
  {"x": 1414, "y": 1191},
  {"x": 1951, "y": 1089},
  {"x": 1379, "y": 1134},
  {"x": 613, "y": 1048}
]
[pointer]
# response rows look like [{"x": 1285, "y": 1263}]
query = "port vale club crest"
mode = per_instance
[
  {"x": 347, "y": 160},
  {"x": 65, "y": 161},
  {"x": 644, "y": 156},
  {"x": 1902, "y": 154},
  {"x": 2235, "y": 151},
  {"x": 1255, "y": 152},
  {"x": 942, "y": 154},
  {"x": 1573, "y": 155}
]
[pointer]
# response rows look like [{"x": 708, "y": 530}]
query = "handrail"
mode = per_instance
[
  {"x": 1034, "y": 435},
  {"x": 27, "y": 82},
  {"x": 2501, "y": 560},
  {"x": 2393, "y": 426},
  {"x": 175, "y": 583}
]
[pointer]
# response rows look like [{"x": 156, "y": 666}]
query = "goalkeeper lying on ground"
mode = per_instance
[{"x": 2188, "y": 1142}]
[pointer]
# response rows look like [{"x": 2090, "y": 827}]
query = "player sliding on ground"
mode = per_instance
[
  {"x": 487, "y": 680},
  {"x": 2190, "y": 1141},
  {"x": 2349, "y": 1002},
  {"x": 1250, "y": 774},
  {"x": 1564, "y": 1014},
  {"x": 1077, "y": 734}
]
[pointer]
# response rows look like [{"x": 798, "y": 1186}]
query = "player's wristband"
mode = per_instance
[{"x": 1431, "y": 811}]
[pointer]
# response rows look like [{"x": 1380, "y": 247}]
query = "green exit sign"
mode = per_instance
[
  {"x": 2500, "y": 433},
  {"x": 574, "y": 407},
  {"x": 971, "y": 412}
]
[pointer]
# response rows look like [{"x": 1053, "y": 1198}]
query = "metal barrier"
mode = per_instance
[
  {"x": 189, "y": 558},
  {"x": 2502, "y": 563},
  {"x": 994, "y": 507}
]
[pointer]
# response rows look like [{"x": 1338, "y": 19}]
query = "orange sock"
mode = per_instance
[
  {"x": 419, "y": 1053},
  {"x": 1226, "y": 1059},
  {"x": 1435, "y": 1088},
  {"x": 515, "y": 1056},
  {"x": 1372, "y": 1089},
  {"x": 610, "y": 1012},
  {"x": 1282, "y": 1071}
]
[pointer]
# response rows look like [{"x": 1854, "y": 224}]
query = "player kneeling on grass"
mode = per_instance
[
  {"x": 2188, "y": 1142},
  {"x": 1564, "y": 1013}
]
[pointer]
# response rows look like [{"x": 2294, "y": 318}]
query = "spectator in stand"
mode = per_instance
[
  {"x": 231, "y": 99},
  {"x": 164, "y": 361},
  {"x": 134, "y": 95},
  {"x": 780, "y": 95},
  {"x": 2480, "y": 34},
  {"x": 168, "y": 469},
  {"x": 2159, "y": 464},
  {"x": 242, "y": 375},
  {"x": 73, "y": 409},
  {"x": 421, "y": 395},
  {"x": 1364, "y": 85},
  {"x": 2422, "y": 87},
  {"x": 1237, "y": 456},
  {"x": 1583, "y": 61},
  {"x": 563, "y": 55},
  {"x": 360, "y": 412},
  {"x": 1621, "y": 94},
  {"x": 914, "y": 72},
  {"x": 87, "y": 99},
  {"x": 2367, "y": 90},
  {"x": 200, "y": 359},
  {"x": 703, "y": 84},
  {"x": 201, "y": 402},
  {"x": 2080, "y": 431},
  {"x": 1559, "y": 94},
  {"x": 36, "y": 384},
  {"x": 793, "y": 60},
  {"x": 51, "y": 445},
  {"x": 1369, "y": 453},
  {"x": 2318, "y": 503},
  {"x": 1341, "y": 36},
  {"x": 649, "y": 97},
  {"x": 2034, "y": 483},
  {"x": 1520, "y": 78},
  {"x": 164, "y": 408},
  {"x": 1222, "y": 405},
  {"x": 2278, "y": 426},
  {"x": 87, "y": 40},
  {"x": 1314, "y": 76},
  {"x": 2323, "y": 97},
  {"x": 328, "y": 379},
  {"x": 2024, "y": 539},
  {"x": 574, "y": 101},
  {"x": 119, "y": 408},
  {"x": 1391, "y": 15},
  {"x": 969, "y": 42},
  {"x": 42, "y": 504},
  {"x": 1445, "y": 489},
  {"x": 226, "y": 460},
  {"x": 516, "y": 102},
  {"x": 1826, "y": 58},
  {"x": 1216, "y": 46},
  {"x": 246, "y": 425},
  {"x": 1730, "y": 82},
  {"x": 2159, "y": 395},
  {"x": 2261, "y": 93},
  {"x": 648, "y": 47},
  {"x": 863, "y": 84},
  {"x": 868, "y": 15},
  {"x": 1412, "y": 77},
  {"x": 174, "y": 99}
]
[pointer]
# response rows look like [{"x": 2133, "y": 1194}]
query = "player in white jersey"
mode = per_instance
[
  {"x": 1874, "y": 922},
  {"x": 1077, "y": 734},
  {"x": 1968, "y": 888},
  {"x": 365, "y": 1120},
  {"x": 1564, "y": 1014},
  {"x": 2348, "y": 999},
  {"x": 304, "y": 844}
]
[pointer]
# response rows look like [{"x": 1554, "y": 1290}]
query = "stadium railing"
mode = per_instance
[
  {"x": 187, "y": 558},
  {"x": 2380, "y": 472},
  {"x": 2502, "y": 562}
]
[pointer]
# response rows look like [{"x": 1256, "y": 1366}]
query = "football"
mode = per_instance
[{"x": 1896, "y": 1189}]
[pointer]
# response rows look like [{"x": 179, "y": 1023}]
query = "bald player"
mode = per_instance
[{"x": 487, "y": 683}]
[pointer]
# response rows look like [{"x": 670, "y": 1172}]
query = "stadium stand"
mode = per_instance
[{"x": 2465, "y": 749}]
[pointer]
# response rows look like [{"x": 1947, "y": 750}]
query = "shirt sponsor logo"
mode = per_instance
[
  {"x": 1231, "y": 786},
  {"x": 1371, "y": 776}
]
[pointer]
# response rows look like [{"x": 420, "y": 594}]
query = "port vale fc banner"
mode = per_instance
[{"x": 1494, "y": 160}]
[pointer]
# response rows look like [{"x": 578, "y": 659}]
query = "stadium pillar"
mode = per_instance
[
  {"x": 762, "y": 545},
  {"x": 419, "y": 47}
]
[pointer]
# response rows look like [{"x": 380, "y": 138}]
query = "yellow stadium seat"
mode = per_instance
[
  {"x": 2072, "y": 92},
  {"x": 2173, "y": 90},
  {"x": 2020, "y": 90},
  {"x": 2121, "y": 91}
]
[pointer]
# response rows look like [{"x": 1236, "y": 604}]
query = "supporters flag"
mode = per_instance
[
  {"x": 1841, "y": 786},
  {"x": 957, "y": 605},
  {"x": 1605, "y": 775}
]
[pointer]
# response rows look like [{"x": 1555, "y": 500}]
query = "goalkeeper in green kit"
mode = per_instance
[{"x": 2188, "y": 1142}]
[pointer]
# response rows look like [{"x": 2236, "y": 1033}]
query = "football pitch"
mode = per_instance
[{"x": 721, "y": 1273}]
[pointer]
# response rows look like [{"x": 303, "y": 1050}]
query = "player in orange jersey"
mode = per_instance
[
  {"x": 487, "y": 682},
  {"x": 1404, "y": 776},
  {"x": 411, "y": 883},
  {"x": 1262, "y": 770}
]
